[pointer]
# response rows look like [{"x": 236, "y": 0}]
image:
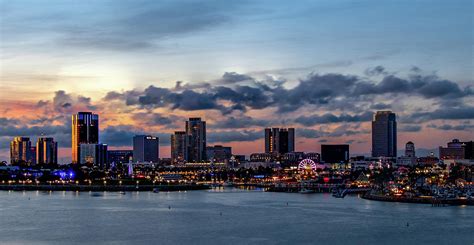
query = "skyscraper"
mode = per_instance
[
  {"x": 178, "y": 147},
  {"x": 196, "y": 140},
  {"x": 279, "y": 140},
  {"x": 46, "y": 151},
  {"x": 146, "y": 148},
  {"x": 335, "y": 153},
  {"x": 94, "y": 155},
  {"x": 384, "y": 134},
  {"x": 85, "y": 130},
  {"x": 20, "y": 151}
]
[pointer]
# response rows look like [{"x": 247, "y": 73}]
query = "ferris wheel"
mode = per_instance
[{"x": 307, "y": 165}]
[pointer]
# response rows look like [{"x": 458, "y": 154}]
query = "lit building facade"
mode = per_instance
[
  {"x": 119, "y": 156},
  {"x": 196, "y": 140},
  {"x": 46, "y": 151},
  {"x": 384, "y": 134},
  {"x": 21, "y": 151},
  {"x": 178, "y": 147},
  {"x": 146, "y": 148},
  {"x": 85, "y": 130},
  {"x": 279, "y": 140}
]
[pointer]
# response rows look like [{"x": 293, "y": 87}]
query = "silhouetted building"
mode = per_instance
[
  {"x": 457, "y": 150},
  {"x": 279, "y": 140},
  {"x": 409, "y": 158},
  {"x": 219, "y": 153},
  {"x": 94, "y": 155},
  {"x": 85, "y": 130},
  {"x": 178, "y": 147},
  {"x": 196, "y": 140},
  {"x": 384, "y": 134},
  {"x": 119, "y": 156},
  {"x": 335, "y": 153},
  {"x": 46, "y": 151},
  {"x": 146, "y": 148},
  {"x": 20, "y": 151}
]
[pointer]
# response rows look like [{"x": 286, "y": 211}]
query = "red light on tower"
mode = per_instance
[{"x": 326, "y": 179}]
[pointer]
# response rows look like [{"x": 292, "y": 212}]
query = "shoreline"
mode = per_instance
[
  {"x": 419, "y": 200},
  {"x": 111, "y": 188}
]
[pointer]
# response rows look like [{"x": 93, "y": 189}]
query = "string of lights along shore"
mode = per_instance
[{"x": 190, "y": 147}]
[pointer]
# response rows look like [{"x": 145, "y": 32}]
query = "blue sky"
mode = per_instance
[{"x": 88, "y": 49}]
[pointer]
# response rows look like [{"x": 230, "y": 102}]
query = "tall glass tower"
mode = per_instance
[
  {"x": 196, "y": 140},
  {"x": 384, "y": 134},
  {"x": 85, "y": 130}
]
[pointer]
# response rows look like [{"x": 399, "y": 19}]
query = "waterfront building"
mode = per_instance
[
  {"x": 384, "y": 134},
  {"x": 46, "y": 151},
  {"x": 178, "y": 147},
  {"x": 146, "y": 148},
  {"x": 409, "y": 158},
  {"x": 263, "y": 157},
  {"x": 457, "y": 150},
  {"x": 335, "y": 153},
  {"x": 219, "y": 153},
  {"x": 94, "y": 155},
  {"x": 119, "y": 156},
  {"x": 21, "y": 151},
  {"x": 195, "y": 140},
  {"x": 85, "y": 130},
  {"x": 279, "y": 140}
]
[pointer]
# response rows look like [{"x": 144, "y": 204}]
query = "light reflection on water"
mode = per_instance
[{"x": 224, "y": 215}]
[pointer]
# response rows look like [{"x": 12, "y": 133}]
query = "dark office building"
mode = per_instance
[
  {"x": 335, "y": 153},
  {"x": 219, "y": 153},
  {"x": 384, "y": 134},
  {"x": 46, "y": 151},
  {"x": 94, "y": 155},
  {"x": 178, "y": 147},
  {"x": 146, "y": 148},
  {"x": 196, "y": 140},
  {"x": 279, "y": 140},
  {"x": 85, "y": 130},
  {"x": 119, "y": 156}
]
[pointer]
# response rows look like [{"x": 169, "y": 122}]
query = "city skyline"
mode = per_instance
[{"x": 337, "y": 63}]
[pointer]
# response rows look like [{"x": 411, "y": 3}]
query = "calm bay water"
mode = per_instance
[{"x": 229, "y": 216}]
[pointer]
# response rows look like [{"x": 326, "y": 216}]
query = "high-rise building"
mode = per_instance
[
  {"x": 178, "y": 147},
  {"x": 196, "y": 140},
  {"x": 46, "y": 151},
  {"x": 119, "y": 156},
  {"x": 219, "y": 153},
  {"x": 410, "y": 149},
  {"x": 457, "y": 150},
  {"x": 146, "y": 148},
  {"x": 94, "y": 155},
  {"x": 409, "y": 159},
  {"x": 279, "y": 140},
  {"x": 335, "y": 153},
  {"x": 85, "y": 130},
  {"x": 20, "y": 151},
  {"x": 384, "y": 134}
]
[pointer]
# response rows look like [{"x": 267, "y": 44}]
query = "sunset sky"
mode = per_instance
[{"x": 323, "y": 67}]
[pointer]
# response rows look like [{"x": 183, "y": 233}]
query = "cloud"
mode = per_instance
[
  {"x": 231, "y": 136},
  {"x": 410, "y": 128},
  {"x": 375, "y": 71},
  {"x": 460, "y": 127},
  {"x": 240, "y": 122},
  {"x": 331, "y": 118}
]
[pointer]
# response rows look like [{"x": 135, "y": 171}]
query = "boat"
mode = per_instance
[
  {"x": 156, "y": 190},
  {"x": 339, "y": 193},
  {"x": 122, "y": 193},
  {"x": 228, "y": 184},
  {"x": 306, "y": 191}
]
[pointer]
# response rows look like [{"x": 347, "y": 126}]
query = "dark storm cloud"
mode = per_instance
[
  {"x": 409, "y": 128},
  {"x": 331, "y": 118},
  {"x": 326, "y": 91},
  {"x": 459, "y": 113},
  {"x": 231, "y": 136},
  {"x": 240, "y": 122},
  {"x": 234, "y": 77},
  {"x": 122, "y": 135},
  {"x": 374, "y": 71},
  {"x": 461, "y": 127}
]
